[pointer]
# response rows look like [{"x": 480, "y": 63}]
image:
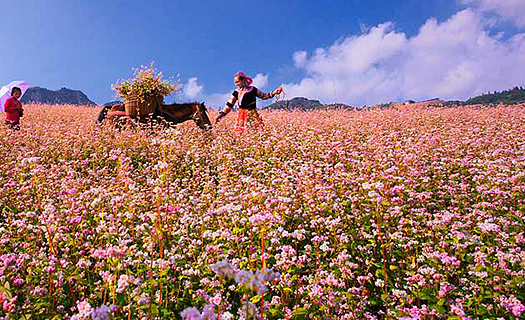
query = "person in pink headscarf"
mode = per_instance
[{"x": 246, "y": 97}]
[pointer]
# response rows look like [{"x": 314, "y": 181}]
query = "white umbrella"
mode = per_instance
[{"x": 5, "y": 91}]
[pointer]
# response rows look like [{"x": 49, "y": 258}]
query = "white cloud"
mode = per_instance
[
  {"x": 300, "y": 58},
  {"x": 260, "y": 80},
  {"x": 455, "y": 59},
  {"x": 191, "y": 89},
  {"x": 217, "y": 100},
  {"x": 511, "y": 10}
]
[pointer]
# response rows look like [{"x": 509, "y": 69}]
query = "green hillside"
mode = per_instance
[{"x": 515, "y": 95}]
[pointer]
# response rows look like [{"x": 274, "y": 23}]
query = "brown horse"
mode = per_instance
[
  {"x": 181, "y": 112},
  {"x": 171, "y": 114}
]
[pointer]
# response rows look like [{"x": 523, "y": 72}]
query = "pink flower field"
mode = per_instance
[{"x": 378, "y": 214}]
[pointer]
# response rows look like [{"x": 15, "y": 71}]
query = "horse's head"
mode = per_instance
[{"x": 201, "y": 117}]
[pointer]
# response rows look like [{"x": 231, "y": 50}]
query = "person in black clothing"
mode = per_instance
[{"x": 246, "y": 97}]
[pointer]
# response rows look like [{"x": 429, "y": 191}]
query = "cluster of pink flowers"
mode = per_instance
[
  {"x": 328, "y": 214},
  {"x": 512, "y": 305},
  {"x": 85, "y": 311}
]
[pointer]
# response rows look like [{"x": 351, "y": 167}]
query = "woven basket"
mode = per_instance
[{"x": 135, "y": 107}]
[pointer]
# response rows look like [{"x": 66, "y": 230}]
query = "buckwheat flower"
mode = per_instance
[
  {"x": 268, "y": 275},
  {"x": 248, "y": 308},
  {"x": 143, "y": 299},
  {"x": 487, "y": 227},
  {"x": 84, "y": 307},
  {"x": 315, "y": 291},
  {"x": 106, "y": 276},
  {"x": 444, "y": 288},
  {"x": 84, "y": 310},
  {"x": 123, "y": 283},
  {"x": 9, "y": 305},
  {"x": 30, "y": 160},
  {"x": 284, "y": 199},
  {"x": 366, "y": 185},
  {"x": 399, "y": 293},
  {"x": 191, "y": 314},
  {"x": 223, "y": 268},
  {"x": 226, "y": 316},
  {"x": 324, "y": 247},
  {"x": 362, "y": 279},
  {"x": 208, "y": 312},
  {"x": 216, "y": 299},
  {"x": 457, "y": 310},
  {"x": 512, "y": 304},
  {"x": 161, "y": 165},
  {"x": 379, "y": 283},
  {"x": 102, "y": 313},
  {"x": 243, "y": 276},
  {"x": 83, "y": 263}
]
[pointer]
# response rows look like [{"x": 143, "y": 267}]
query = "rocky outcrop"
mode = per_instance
[{"x": 62, "y": 96}]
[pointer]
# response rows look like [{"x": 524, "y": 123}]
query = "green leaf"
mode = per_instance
[
  {"x": 438, "y": 308},
  {"x": 256, "y": 298},
  {"x": 275, "y": 312},
  {"x": 287, "y": 290},
  {"x": 299, "y": 311}
]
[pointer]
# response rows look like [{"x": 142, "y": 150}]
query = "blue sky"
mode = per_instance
[{"x": 355, "y": 52}]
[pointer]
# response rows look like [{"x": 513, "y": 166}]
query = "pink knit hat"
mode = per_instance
[{"x": 247, "y": 80}]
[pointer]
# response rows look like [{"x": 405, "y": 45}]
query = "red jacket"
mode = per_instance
[{"x": 12, "y": 109}]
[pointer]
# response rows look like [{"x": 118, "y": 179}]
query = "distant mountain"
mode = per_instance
[
  {"x": 340, "y": 106},
  {"x": 62, "y": 96},
  {"x": 296, "y": 103},
  {"x": 112, "y": 103},
  {"x": 304, "y": 104}
]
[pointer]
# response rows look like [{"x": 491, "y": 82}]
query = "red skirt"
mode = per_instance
[{"x": 248, "y": 118}]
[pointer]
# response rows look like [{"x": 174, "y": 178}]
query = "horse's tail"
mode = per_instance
[{"x": 102, "y": 114}]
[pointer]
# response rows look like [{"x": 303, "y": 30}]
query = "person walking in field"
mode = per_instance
[
  {"x": 13, "y": 109},
  {"x": 246, "y": 97}
]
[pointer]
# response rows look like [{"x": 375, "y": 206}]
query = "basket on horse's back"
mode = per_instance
[{"x": 134, "y": 107}]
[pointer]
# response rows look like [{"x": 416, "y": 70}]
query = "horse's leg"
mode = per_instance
[
  {"x": 157, "y": 117},
  {"x": 169, "y": 118}
]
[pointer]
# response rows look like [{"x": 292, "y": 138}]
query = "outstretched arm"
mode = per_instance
[
  {"x": 268, "y": 95},
  {"x": 227, "y": 108}
]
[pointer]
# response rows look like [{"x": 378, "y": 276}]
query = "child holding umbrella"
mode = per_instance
[{"x": 13, "y": 109}]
